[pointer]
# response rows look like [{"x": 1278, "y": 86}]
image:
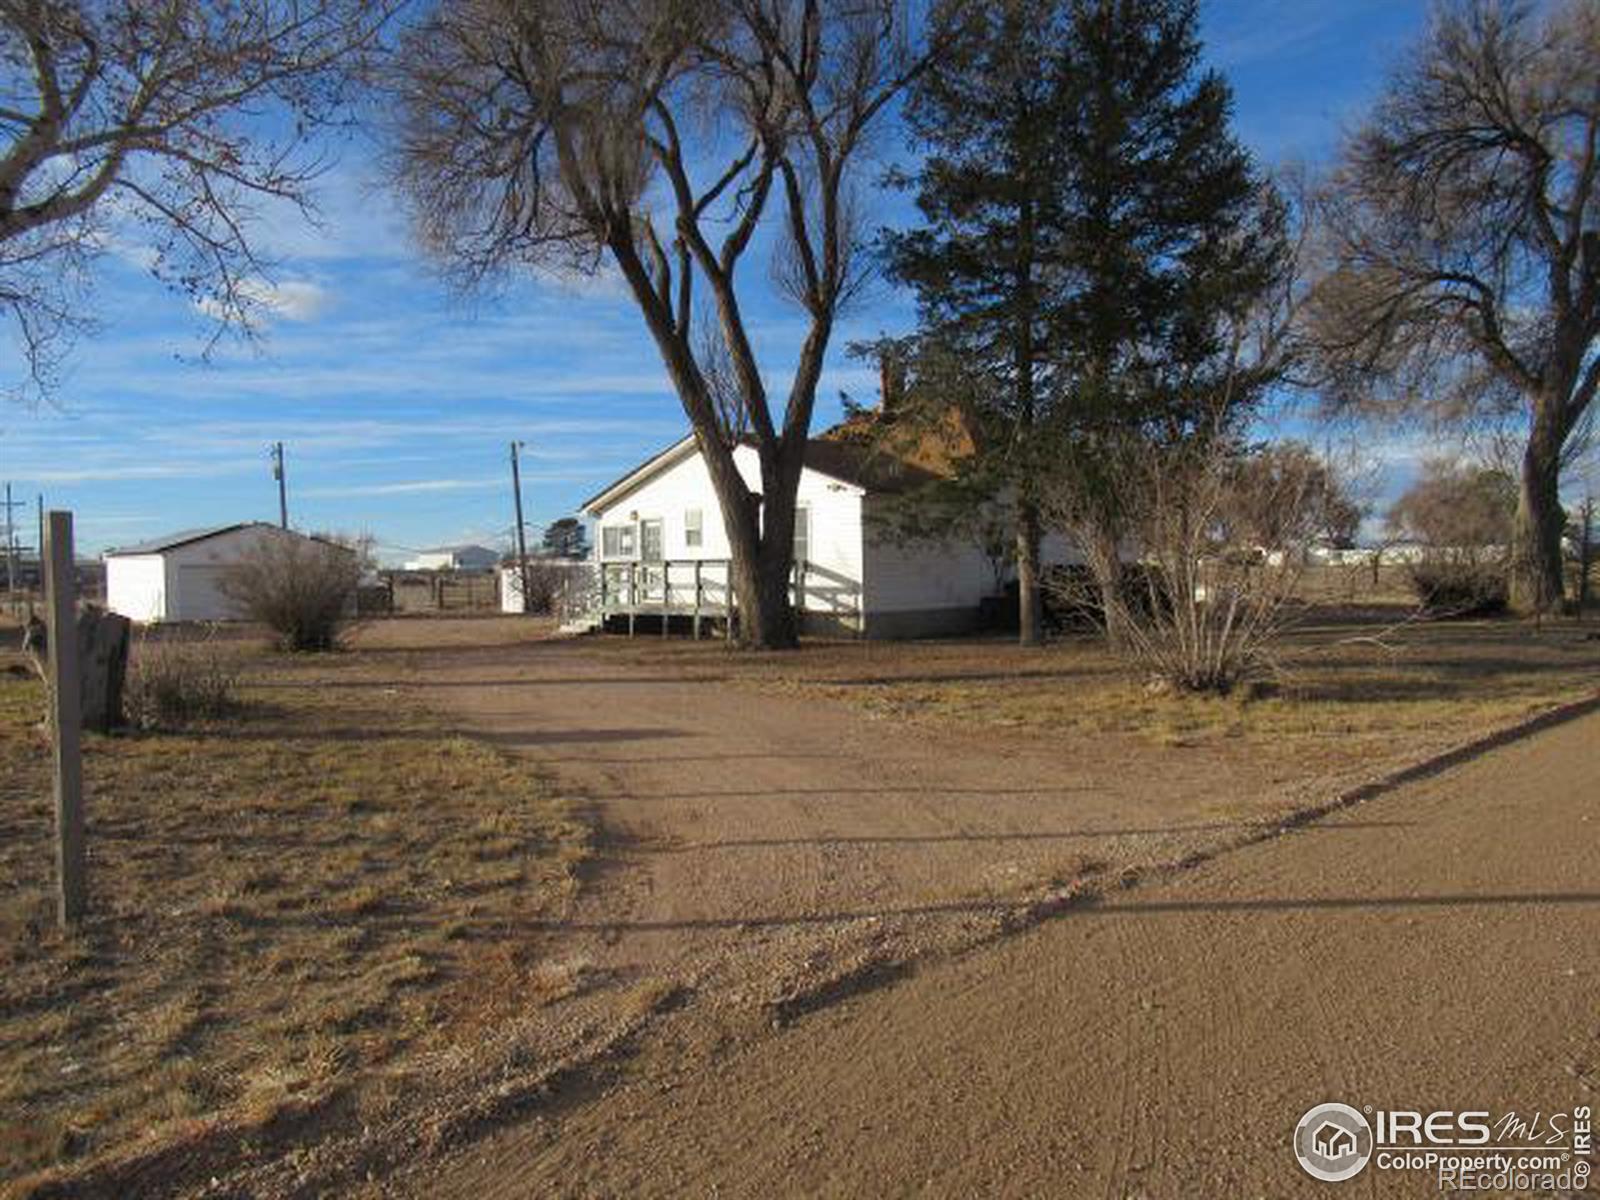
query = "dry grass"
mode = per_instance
[
  {"x": 1349, "y": 687},
  {"x": 283, "y": 903}
]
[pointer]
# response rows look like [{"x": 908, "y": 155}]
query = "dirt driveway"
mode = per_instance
[
  {"x": 765, "y": 845},
  {"x": 1432, "y": 948}
]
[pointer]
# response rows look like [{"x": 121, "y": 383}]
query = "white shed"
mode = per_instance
[
  {"x": 466, "y": 557},
  {"x": 660, "y": 545},
  {"x": 179, "y": 577}
]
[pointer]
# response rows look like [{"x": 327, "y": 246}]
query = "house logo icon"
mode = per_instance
[{"x": 1333, "y": 1142}]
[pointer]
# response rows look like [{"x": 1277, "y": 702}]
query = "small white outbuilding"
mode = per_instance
[
  {"x": 179, "y": 577},
  {"x": 467, "y": 557}
]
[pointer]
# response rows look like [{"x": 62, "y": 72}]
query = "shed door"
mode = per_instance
[{"x": 200, "y": 596}]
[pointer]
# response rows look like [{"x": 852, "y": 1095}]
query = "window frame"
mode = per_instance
[{"x": 627, "y": 542}]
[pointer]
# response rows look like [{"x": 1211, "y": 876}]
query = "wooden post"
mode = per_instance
[
  {"x": 633, "y": 594},
  {"x": 1585, "y": 553},
  {"x": 666, "y": 595},
  {"x": 800, "y": 595},
  {"x": 698, "y": 596},
  {"x": 66, "y": 699}
]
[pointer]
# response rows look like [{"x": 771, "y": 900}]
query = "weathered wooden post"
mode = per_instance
[
  {"x": 666, "y": 595},
  {"x": 699, "y": 597},
  {"x": 66, "y": 701}
]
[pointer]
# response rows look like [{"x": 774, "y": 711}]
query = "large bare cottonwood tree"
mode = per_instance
[
  {"x": 163, "y": 123},
  {"x": 670, "y": 137},
  {"x": 1465, "y": 226}
]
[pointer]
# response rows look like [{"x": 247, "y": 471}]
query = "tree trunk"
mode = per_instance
[
  {"x": 102, "y": 663},
  {"x": 103, "y": 666},
  {"x": 1106, "y": 563},
  {"x": 1536, "y": 566},
  {"x": 762, "y": 551},
  {"x": 766, "y": 616},
  {"x": 1030, "y": 606}
]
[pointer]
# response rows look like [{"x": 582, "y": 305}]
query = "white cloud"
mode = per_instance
[{"x": 293, "y": 299}]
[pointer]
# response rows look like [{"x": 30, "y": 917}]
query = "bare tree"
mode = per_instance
[
  {"x": 1465, "y": 224},
  {"x": 1460, "y": 518},
  {"x": 165, "y": 123},
  {"x": 1255, "y": 513},
  {"x": 661, "y": 136},
  {"x": 1203, "y": 600}
]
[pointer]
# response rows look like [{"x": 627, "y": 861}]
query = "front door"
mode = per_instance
[{"x": 650, "y": 541}]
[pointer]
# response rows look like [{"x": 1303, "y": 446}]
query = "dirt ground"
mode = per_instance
[
  {"x": 1432, "y": 948},
  {"x": 775, "y": 837},
  {"x": 779, "y": 832},
  {"x": 311, "y": 899}
]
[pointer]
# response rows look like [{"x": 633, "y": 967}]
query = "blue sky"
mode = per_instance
[{"x": 396, "y": 399}]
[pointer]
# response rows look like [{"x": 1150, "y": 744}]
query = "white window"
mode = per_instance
[
  {"x": 616, "y": 541},
  {"x": 692, "y": 526},
  {"x": 802, "y": 533}
]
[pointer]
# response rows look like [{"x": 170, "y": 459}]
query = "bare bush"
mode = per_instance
[
  {"x": 556, "y": 586},
  {"x": 302, "y": 589},
  {"x": 171, "y": 684},
  {"x": 1201, "y": 598},
  {"x": 1462, "y": 519}
]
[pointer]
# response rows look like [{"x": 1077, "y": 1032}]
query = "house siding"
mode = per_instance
[{"x": 833, "y": 577}]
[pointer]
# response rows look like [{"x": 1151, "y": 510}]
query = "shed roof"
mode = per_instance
[
  {"x": 182, "y": 538},
  {"x": 458, "y": 548},
  {"x": 187, "y": 537}
]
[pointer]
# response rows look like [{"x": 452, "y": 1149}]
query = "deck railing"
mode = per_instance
[{"x": 699, "y": 589}]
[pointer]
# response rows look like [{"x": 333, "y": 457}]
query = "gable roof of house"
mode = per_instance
[
  {"x": 182, "y": 538},
  {"x": 849, "y": 460}
]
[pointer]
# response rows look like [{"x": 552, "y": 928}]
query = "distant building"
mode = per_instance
[
  {"x": 179, "y": 577},
  {"x": 467, "y": 557}
]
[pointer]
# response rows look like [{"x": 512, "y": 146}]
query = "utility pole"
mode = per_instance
[
  {"x": 522, "y": 533},
  {"x": 11, "y": 552},
  {"x": 43, "y": 600},
  {"x": 11, "y": 548},
  {"x": 283, "y": 487}
]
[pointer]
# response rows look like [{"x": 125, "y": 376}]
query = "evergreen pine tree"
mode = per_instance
[{"x": 1091, "y": 233}]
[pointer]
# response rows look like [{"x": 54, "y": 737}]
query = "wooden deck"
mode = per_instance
[{"x": 696, "y": 591}]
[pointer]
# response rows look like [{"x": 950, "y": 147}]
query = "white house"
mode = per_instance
[
  {"x": 179, "y": 577},
  {"x": 455, "y": 558},
  {"x": 660, "y": 546}
]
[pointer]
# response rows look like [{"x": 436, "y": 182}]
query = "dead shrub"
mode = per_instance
[
  {"x": 172, "y": 683},
  {"x": 302, "y": 589}
]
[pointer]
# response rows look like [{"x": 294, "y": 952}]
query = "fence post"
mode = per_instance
[
  {"x": 666, "y": 595},
  {"x": 699, "y": 595},
  {"x": 66, "y": 699}
]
